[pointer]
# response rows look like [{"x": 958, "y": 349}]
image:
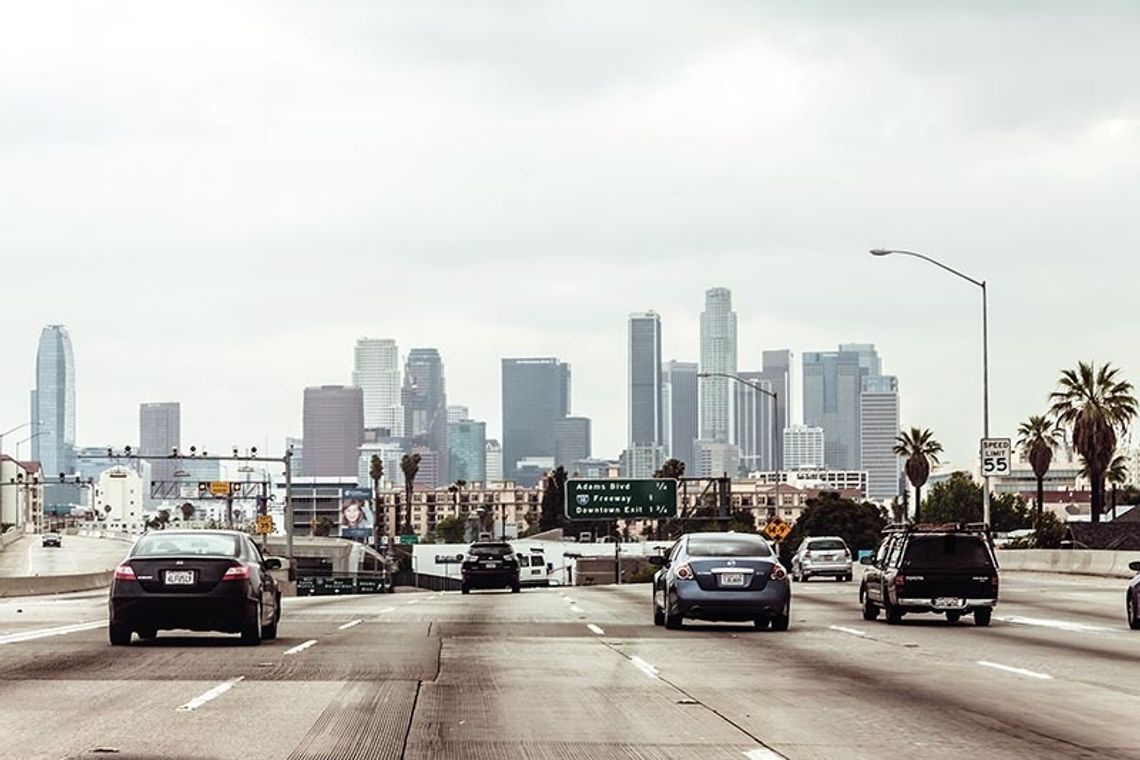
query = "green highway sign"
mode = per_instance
[
  {"x": 410, "y": 539},
  {"x": 614, "y": 499}
]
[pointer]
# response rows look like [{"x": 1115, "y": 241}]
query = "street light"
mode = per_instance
[
  {"x": 37, "y": 423},
  {"x": 775, "y": 419},
  {"x": 985, "y": 356}
]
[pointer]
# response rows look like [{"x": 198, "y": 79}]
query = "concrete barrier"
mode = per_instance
[
  {"x": 10, "y": 536},
  {"x": 1069, "y": 561},
  {"x": 40, "y": 585}
]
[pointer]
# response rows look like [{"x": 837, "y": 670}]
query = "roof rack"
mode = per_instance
[{"x": 905, "y": 527}]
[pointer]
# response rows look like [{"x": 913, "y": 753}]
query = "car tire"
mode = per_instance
[
  {"x": 147, "y": 634},
  {"x": 515, "y": 588},
  {"x": 982, "y": 616},
  {"x": 658, "y": 615},
  {"x": 762, "y": 623},
  {"x": 672, "y": 621},
  {"x": 847, "y": 578},
  {"x": 953, "y": 617},
  {"x": 1133, "y": 613},
  {"x": 894, "y": 614},
  {"x": 252, "y": 632},
  {"x": 870, "y": 609},
  {"x": 796, "y": 577},
  {"x": 465, "y": 589},
  {"x": 783, "y": 621},
  {"x": 269, "y": 632},
  {"x": 119, "y": 635}
]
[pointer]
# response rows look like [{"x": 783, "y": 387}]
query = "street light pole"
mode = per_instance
[
  {"x": 13, "y": 430},
  {"x": 985, "y": 356},
  {"x": 774, "y": 395}
]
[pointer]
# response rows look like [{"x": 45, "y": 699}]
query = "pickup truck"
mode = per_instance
[{"x": 947, "y": 569}]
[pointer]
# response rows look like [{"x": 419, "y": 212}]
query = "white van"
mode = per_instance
[{"x": 532, "y": 568}]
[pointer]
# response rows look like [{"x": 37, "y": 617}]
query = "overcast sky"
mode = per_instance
[{"x": 218, "y": 198}]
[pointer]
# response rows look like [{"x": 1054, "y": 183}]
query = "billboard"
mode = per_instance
[{"x": 356, "y": 517}]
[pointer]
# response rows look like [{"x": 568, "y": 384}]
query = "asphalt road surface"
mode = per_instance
[
  {"x": 79, "y": 554},
  {"x": 581, "y": 673}
]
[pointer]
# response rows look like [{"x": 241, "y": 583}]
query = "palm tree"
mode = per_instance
[
  {"x": 410, "y": 465},
  {"x": 376, "y": 473},
  {"x": 1115, "y": 475},
  {"x": 1097, "y": 406},
  {"x": 187, "y": 510},
  {"x": 920, "y": 450},
  {"x": 1038, "y": 438}
]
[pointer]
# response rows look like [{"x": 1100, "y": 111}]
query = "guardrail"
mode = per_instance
[
  {"x": 39, "y": 585},
  {"x": 1097, "y": 562}
]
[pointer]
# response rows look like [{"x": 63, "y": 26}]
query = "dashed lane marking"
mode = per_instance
[
  {"x": 1060, "y": 625},
  {"x": 576, "y": 608},
  {"x": 763, "y": 754},
  {"x": 210, "y": 695},
  {"x": 644, "y": 667},
  {"x": 1016, "y": 671},
  {"x": 301, "y": 647},
  {"x": 15, "y": 638},
  {"x": 851, "y": 631},
  {"x": 351, "y": 624},
  {"x": 596, "y": 629}
]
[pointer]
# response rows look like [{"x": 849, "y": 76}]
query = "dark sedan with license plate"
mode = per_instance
[
  {"x": 721, "y": 576},
  {"x": 490, "y": 564},
  {"x": 198, "y": 580}
]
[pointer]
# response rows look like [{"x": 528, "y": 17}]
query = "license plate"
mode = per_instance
[
  {"x": 732, "y": 579},
  {"x": 490, "y": 564},
  {"x": 829, "y": 558},
  {"x": 178, "y": 577},
  {"x": 944, "y": 602}
]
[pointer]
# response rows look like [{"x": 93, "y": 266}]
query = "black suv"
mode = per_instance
[
  {"x": 945, "y": 569},
  {"x": 490, "y": 564}
]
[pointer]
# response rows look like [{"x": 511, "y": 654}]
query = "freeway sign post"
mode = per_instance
[
  {"x": 996, "y": 457},
  {"x": 614, "y": 499}
]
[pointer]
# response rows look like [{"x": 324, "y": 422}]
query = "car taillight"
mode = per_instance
[
  {"x": 778, "y": 572},
  {"x": 508, "y": 558},
  {"x": 684, "y": 572},
  {"x": 994, "y": 584},
  {"x": 124, "y": 573},
  {"x": 847, "y": 553},
  {"x": 900, "y": 580},
  {"x": 807, "y": 555},
  {"x": 237, "y": 573}
]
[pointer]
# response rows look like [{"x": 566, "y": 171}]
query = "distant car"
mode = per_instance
[
  {"x": 825, "y": 556},
  {"x": 200, "y": 580},
  {"x": 52, "y": 539},
  {"x": 1132, "y": 600},
  {"x": 721, "y": 576},
  {"x": 490, "y": 564},
  {"x": 945, "y": 569},
  {"x": 533, "y": 570}
]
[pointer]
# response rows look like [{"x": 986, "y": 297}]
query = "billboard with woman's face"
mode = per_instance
[{"x": 356, "y": 516}]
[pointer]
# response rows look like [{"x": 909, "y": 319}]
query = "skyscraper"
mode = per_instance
[
  {"x": 868, "y": 358},
  {"x": 777, "y": 370},
  {"x": 718, "y": 355},
  {"x": 536, "y": 395},
  {"x": 425, "y": 408},
  {"x": 376, "y": 371},
  {"x": 333, "y": 430},
  {"x": 879, "y": 426},
  {"x": 494, "y": 461},
  {"x": 467, "y": 455},
  {"x": 571, "y": 441},
  {"x": 457, "y": 413},
  {"x": 803, "y": 448},
  {"x": 833, "y": 384},
  {"x": 753, "y": 432},
  {"x": 160, "y": 430},
  {"x": 53, "y": 408},
  {"x": 645, "y": 407},
  {"x": 679, "y": 391}
]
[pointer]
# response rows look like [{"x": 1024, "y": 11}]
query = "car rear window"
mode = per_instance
[
  {"x": 497, "y": 550},
  {"x": 826, "y": 544},
  {"x": 203, "y": 544},
  {"x": 735, "y": 546},
  {"x": 947, "y": 551}
]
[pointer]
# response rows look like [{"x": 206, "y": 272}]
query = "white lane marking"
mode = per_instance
[
  {"x": 31, "y": 567},
  {"x": 1017, "y": 671},
  {"x": 764, "y": 754},
  {"x": 569, "y": 600},
  {"x": 596, "y": 629},
  {"x": 576, "y": 608},
  {"x": 414, "y": 601},
  {"x": 301, "y": 647},
  {"x": 1060, "y": 625},
  {"x": 15, "y": 638},
  {"x": 851, "y": 631},
  {"x": 210, "y": 695},
  {"x": 644, "y": 666},
  {"x": 387, "y": 609},
  {"x": 348, "y": 625}
]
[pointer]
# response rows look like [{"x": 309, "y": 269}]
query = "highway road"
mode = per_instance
[
  {"x": 581, "y": 673},
  {"x": 79, "y": 554}
]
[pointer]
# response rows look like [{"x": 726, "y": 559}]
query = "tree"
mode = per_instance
[
  {"x": 451, "y": 530},
  {"x": 959, "y": 500},
  {"x": 1096, "y": 405},
  {"x": 163, "y": 517},
  {"x": 860, "y": 524},
  {"x": 671, "y": 468},
  {"x": 920, "y": 450},
  {"x": 323, "y": 527},
  {"x": 1038, "y": 438},
  {"x": 410, "y": 466},
  {"x": 376, "y": 474},
  {"x": 187, "y": 510},
  {"x": 553, "y": 513},
  {"x": 1116, "y": 475}
]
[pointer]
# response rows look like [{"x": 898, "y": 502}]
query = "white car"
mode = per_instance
[{"x": 826, "y": 556}]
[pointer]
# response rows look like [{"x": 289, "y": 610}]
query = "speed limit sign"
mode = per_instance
[{"x": 996, "y": 457}]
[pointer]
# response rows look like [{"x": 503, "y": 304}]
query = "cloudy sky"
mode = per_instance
[{"x": 218, "y": 198}]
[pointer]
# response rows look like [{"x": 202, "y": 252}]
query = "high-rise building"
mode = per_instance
[
  {"x": 754, "y": 433},
  {"x": 425, "y": 408},
  {"x": 571, "y": 440},
  {"x": 333, "y": 430},
  {"x": 716, "y": 459},
  {"x": 646, "y": 413},
  {"x": 376, "y": 371},
  {"x": 803, "y": 448},
  {"x": 53, "y": 416},
  {"x": 160, "y": 431},
  {"x": 494, "y": 461},
  {"x": 868, "y": 358},
  {"x": 457, "y": 413},
  {"x": 777, "y": 370},
  {"x": 833, "y": 384},
  {"x": 467, "y": 456},
  {"x": 718, "y": 355},
  {"x": 679, "y": 389},
  {"x": 642, "y": 460},
  {"x": 879, "y": 427},
  {"x": 536, "y": 395}
]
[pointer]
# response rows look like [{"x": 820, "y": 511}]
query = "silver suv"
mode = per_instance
[{"x": 824, "y": 556}]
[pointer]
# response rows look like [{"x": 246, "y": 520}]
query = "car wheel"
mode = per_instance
[
  {"x": 847, "y": 578},
  {"x": 781, "y": 622},
  {"x": 269, "y": 632},
  {"x": 894, "y": 614},
  {"x": 658, "y": 615},
  {"x": 465, "y": 589},
  {"x": 1133, "y": 617},
  {"x": 762, "y": 623},
  {"x": 672, "y": 621},
  {"x": 796, "y": 577},
  {"x": 982, "y": 616},
  {"x": 251, "y": 633},
  {"x": 953, "y": 617},
  {"x": 870, "y": 610},
  {"x": 147, "y": 634},
  {"x": 515, "y": 588},
  {"x": 119, "y": 635}
]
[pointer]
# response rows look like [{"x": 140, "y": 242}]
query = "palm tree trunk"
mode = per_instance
[
  {"x": 1096, "y": 480},
  {"x": 917, "y": 504},
  {"x": 1040, "y": 502}
]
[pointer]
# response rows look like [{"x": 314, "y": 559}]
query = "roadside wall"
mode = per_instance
[
  {"x": 53, "y": 584},
  {"x": 1069, "y": 561}
]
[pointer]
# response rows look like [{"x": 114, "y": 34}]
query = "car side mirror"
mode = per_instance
[
  {"x": 658, "y": 561},
  {"x": 1134, "y": 567},
  {"x": 867, "y": 561},
  {"x": 272, "y": 563}
]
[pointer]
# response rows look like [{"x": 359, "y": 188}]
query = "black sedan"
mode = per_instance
[
  {"x": 1132, "y": 601},
  {"x": 199, "y": 580}
]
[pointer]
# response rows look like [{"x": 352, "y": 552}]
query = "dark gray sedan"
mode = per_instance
[
  {"x": 721, "y": 576},
  {"x": 1132, "y": 601}
]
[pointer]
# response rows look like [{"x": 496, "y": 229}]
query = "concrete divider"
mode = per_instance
[
  {"x": 39, "y": 585},
  {"x": 1069, "y": 561},
  {"x": 10, "y": 536}
]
